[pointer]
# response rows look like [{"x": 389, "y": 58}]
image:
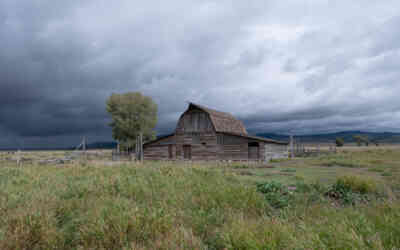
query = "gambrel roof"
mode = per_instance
[{"x": 223, "y": 122}]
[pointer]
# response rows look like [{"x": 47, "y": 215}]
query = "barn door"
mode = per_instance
[
  {"x": 253, "y": 150},
  {"x": 187, "y": 152}
]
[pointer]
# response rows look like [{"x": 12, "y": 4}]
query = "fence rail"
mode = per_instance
[{"x": 301, "y": 150}]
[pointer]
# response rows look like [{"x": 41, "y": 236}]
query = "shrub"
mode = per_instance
[
  {"x": 339, "y": 142},
  {"x": 378, "y": 170},
  {"x": 353, "y": 189},
  {"x": 275, "y": 193},
  {"x": 357, "y": 184},
  {"x": 238, "y": 165},
  {"x": 288, "y": 170},
  {"x": 278, "y": 160}
]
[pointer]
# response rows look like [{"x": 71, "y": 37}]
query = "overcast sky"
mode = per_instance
[{"x": 309, "y": 66}]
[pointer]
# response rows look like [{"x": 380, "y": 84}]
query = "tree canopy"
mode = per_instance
[
  {"x": 339, "y": 142},
  {"x": 132, "y": 113},
  {"x": 361, "y": 139}
]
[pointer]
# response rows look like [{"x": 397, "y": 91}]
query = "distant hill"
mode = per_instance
[
  {"x": 347, "y": 136},
  {"x": 94, "y": 145},
  {"x": 102, "y": 145}
]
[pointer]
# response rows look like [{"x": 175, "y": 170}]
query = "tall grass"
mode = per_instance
[
  {"x": 166, "y": 206},
  {"x": 370, "y": 158}
]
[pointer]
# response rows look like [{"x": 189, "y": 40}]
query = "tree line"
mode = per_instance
[{"x": 358, "y": 139}]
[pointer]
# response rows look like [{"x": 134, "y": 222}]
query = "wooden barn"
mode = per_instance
[{"x": 204, "y": 134}]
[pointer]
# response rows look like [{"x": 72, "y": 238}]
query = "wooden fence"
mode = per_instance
[{"x": 302, "y": 150}]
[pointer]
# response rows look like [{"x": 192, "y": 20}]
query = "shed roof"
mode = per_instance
[
  {"x": 257, "y": 138},
  {"x": 222, "y": 121},
  {"x": 161, "y": 137}
]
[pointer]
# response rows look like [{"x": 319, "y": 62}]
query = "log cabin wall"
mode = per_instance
[
  {"x": 162, "y": 149},
  {"x": 240, "y": 148}
]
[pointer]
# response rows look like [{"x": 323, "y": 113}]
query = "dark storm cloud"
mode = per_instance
[{"x": 307, "y": 66}]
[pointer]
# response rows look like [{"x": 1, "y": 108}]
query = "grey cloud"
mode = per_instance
[{"x": 274, "y": 64}]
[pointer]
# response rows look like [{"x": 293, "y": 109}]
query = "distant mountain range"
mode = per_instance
[
  {"x": 101, "y": 145},
  {"x": 94, "y": 145},
  {"x": 347, "y": 136}
]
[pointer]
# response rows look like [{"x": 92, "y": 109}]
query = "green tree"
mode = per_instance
[
  {"x": 132, "y": 113},
  {"x": 339, "y": 142},
  {"x": 358, "y": 139},
  {"x": 375, "y": 142},
  {"x": 361, "y": 139}
]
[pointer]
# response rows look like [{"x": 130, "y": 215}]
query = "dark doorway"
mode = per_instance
[
  {"x": 254, "y": 150},
  {"x": 187, "y": 152}
]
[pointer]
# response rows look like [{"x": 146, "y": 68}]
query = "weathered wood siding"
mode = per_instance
[
  {"x": 203, "y": 145},
  {"x": 195, "y": 129},
  {"x": 237, "y": 148},
  {"x": 162, "y": 149},
  {"x": 194, "y": 121}
]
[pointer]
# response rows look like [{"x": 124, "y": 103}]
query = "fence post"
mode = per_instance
[
  {"x": 137, "y": 148},
  {"x": 291, "y": 147},
  {"x": 18, "y": 157},
  {"x": 141, "y": 147}
]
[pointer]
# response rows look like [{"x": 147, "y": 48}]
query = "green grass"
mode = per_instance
[
  {"x": 378, "y": 170},
  {"x": 288, "y": 170},
  {"x": 202, "y": 206}
]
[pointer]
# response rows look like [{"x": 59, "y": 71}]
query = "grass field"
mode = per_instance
[{"x": 349, "y": 200}]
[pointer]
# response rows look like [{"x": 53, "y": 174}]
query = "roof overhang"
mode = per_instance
[{"x": 256, "y": 138}]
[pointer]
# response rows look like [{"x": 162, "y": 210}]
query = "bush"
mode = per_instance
[
  {"x": 357, "y": 184},
  {"x": 238, "y": 165},
  {"x": 278, "y": 160},
  {"x": 339, "y": 142},
  {"x": 275, "y": 193},
  {"x": 353, "y": 189},
  {"x": 288, "y": 170}
]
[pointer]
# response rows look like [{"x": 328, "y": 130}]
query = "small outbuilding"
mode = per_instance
[{"x": 204, "y": 134}]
